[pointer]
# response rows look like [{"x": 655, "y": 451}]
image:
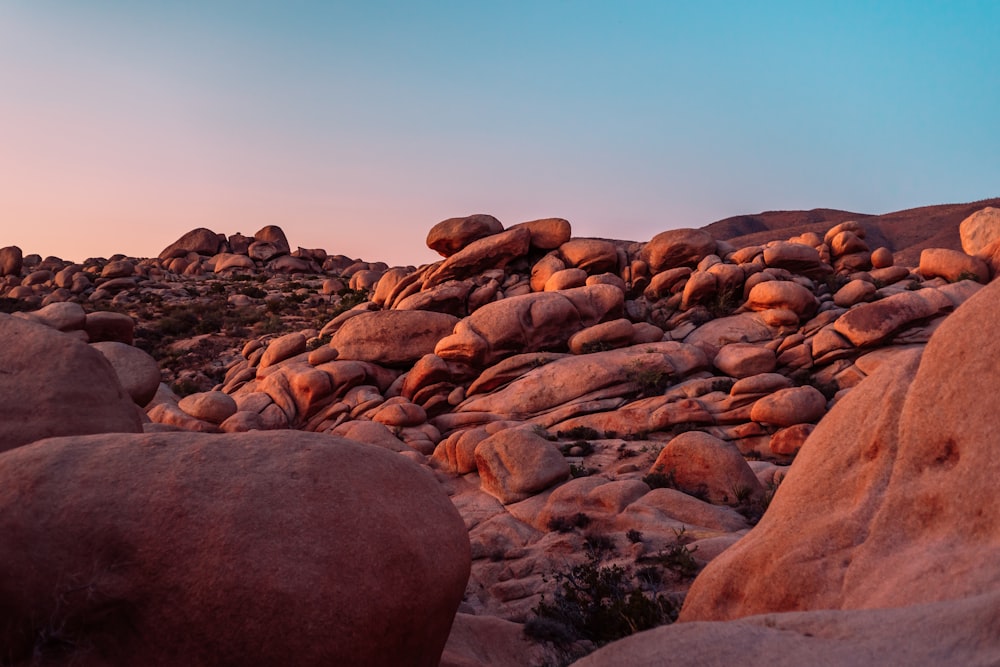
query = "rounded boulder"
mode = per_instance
[{"x": 236, "y": 549}]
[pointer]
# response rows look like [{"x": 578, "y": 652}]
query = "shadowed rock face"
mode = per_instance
[
  {"x": 52, "y": 384},
  {"x": 249, "y": 549}
]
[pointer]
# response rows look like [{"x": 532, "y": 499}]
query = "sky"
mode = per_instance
[{"x": 356, "y": 126}]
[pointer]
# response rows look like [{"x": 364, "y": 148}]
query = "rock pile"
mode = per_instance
[{"x": 631, "y": 403}]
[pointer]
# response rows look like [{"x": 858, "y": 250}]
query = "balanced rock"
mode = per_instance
[
  {"x": 677, "y": 247},
  {"x": 53, "y": 384},
  {"x": 241, "y": 549},
  {"x": 449, "y": 236},
  {"x": 201, "y": 241}
]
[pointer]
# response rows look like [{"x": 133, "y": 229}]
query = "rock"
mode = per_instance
[
  {"x": 793, "y": 257},
  {"x": 392, "y": 337},
  {"x": 528, "y": 323},
  {"x": 516, "y": 463},
  {"x": 603, "y": 336},
  {"x": 677, "y": 247},
  {"x": 787, "y": 407},
  {"x": 646, "y": 367},
  {"x": 211, "y": 406},
  {"x": 565, "y": 279},
  {"x": 232, "y": 262},
  {"x": 872, "y": 323},
  {"x": 854, "y": 292},
  {"x": 109, "y": 326},
  {"x": 954, "y": 632},
  {"x": 699, "y": 463},
  {"x": 783, "y": 294},
  {"x": 11, "y": 261},
  {"x": 449, "y": 236},
  {"x": 201, "y": 241},
  {"x": 118, "y": 269},
  {"x": 52, "y": 384},
  {"x": 977, "y": 231},
  {"x": 487, "y": 641},
  {"x": 592, "y": 255},
  {"x": 137, "y": 371},
  {"x": 742, "y": 360},
  {"x": 952, "y": 265},
  {"x": 66, "y": 316},
  {"x": 492, "y": 252},
  {"x": 282, "y": 348},
  {"x": 788, "y": 441},
  {"x": 547, "y": 233},
  {"x": 544, "y": 269},
  {"x": 279, "y": 548},
  {"x": 882, "y": 258}
]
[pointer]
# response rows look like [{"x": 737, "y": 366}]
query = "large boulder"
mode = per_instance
[
  {"x": 892, "y": 499},
  {"x": 517, "y": 463},
  {"x": 137, "y": 371},
  {"x": 872, "y": 323},
  {"x": 955, "y": 632},
  {"x": 392, "y": 337},
  {"x": 201, "y": 241},
  {"x": 11, "y": 261},
  {"x": 677, "y": 247},
  {"x": 529, "y": 323},
  {"x": 449, "y": 236},
  {"x": 492, "y": 252},
  {"x": 54, "y": 384},
  {"x": 980, "y": 230},
  {"x": 237, "y": 549}
]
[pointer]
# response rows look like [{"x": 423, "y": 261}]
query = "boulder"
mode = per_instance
[
  {"x": 492, "y": 252},
  {"x": 742, "y": 360},
  {"x": 677, "y": 247},
  {"x": 782, "y": 294},
  {"x": 701, "y": 464},
  {"x": 211, "y": 406},
  {"x": 449, "y": 236},
  {"x": 547, "y": 233},
  {"x": 392, "y": 337},
  {"x": 787, "y": 407},
  {"x": 891, "y": 500},
  {"x": 591, "y": 255},
  {"x": 137, "y": 371},
  {"x": 104, "y": 325},
  {"x": 952, "y": 265},
  {"x": 872, "y": 323},
  {"x": 65, "y": 316},
  {"x": 235, "y": 549},
  {"x": 273, "y": 235},
  {"x": 53, "y": 384},
  {"x": 977, "y": 231},
  {"x": 954, "y": 632},
  {"x": 11, "y": 261},
  {"x": 528, "y": 323},
  {"x": 793, "y": 257},
  {"x": 201, "y": 241},
  {"x": 516, "y": 463}
]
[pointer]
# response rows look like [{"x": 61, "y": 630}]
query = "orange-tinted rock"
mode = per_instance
[
  {"x": 492, "y": 252},
  {"x": 591, "y": 255},
  {"x": 211, "y": 406},
  {"x": 279, "y": 548},
  {"x": 785, "y": 295},
  {"x": 701, "y": 464},
  {"x": 786, "y": 407},
  {"x": 392, "y": 337},
  {"x": 740, "y": 360},
  {"x": 978, "y": 230},
  {"x": 952, "y": 265},
  {"x": 449, "y": 236},
  {"x": 11, "y": 261},
  {"x": 516, "y": 463},
  {"x": 677, "y": 247},
  {"x": 871, "y": 323},
  {"x": 547, "y": 233},
  {"x": 137, "y": 371}
]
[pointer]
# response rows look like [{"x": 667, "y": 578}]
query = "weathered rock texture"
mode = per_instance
[{"x": 250, "y": 549}]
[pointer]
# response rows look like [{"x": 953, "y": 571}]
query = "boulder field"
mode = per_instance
[{"x": 237, "y": 436}]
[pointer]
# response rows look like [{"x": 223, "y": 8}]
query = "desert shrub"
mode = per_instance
[
  {"x": 564, "y": 524},
  {"x": 580, "y": 471},
  {"x": 580, "y": 433},
  {"x": 597, "y": 603},
  {"x": 634, "y": 536},
  {"x": 660, "y": 480},
  {"x": 9, "y": 305},
  {"x": 599, "y": 544},
  {"x": 252, "y": 291},
  {"x": 725, "y": 301}
]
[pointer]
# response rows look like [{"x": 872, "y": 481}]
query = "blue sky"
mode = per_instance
[{"x": 357, "y": 126}]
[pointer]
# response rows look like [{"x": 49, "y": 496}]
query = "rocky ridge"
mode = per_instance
[{"x": 583, "y": 402}]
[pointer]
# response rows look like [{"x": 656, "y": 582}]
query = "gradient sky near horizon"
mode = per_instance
[{"x": 356, "y": 126}]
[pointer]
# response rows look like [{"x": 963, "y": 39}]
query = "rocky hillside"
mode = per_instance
[{"x": 605, "y": 417}]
